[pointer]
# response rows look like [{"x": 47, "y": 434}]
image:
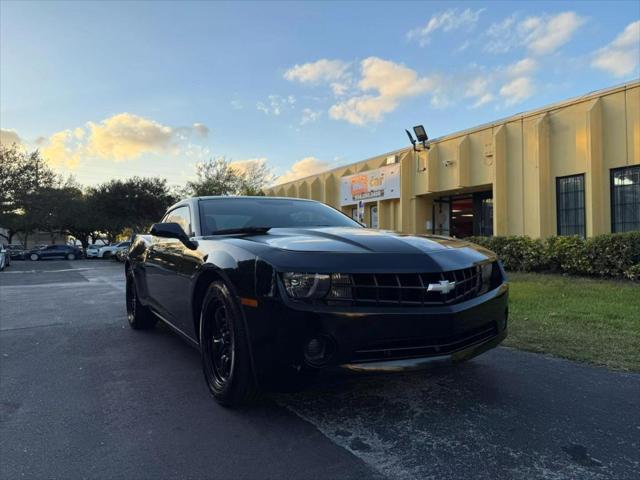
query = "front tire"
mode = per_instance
[
  {"x": 71, "y": 256},
  {"x": 34, "y": 257},
  {"x": 224, "y": 347},
  {"x": 139, "y": 316}
]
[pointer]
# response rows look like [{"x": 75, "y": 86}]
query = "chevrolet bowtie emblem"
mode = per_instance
[{"x": 443, "y": 286}]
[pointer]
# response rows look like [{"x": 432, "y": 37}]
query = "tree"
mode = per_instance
[
  {"x": 219, "y": 176},
  {"x": 22, "y": 176},
  {"x": 78, "y": 218},
  {"x": 215, "y": 177},
  {"x": 256, "y": 176},
  {"x": 134, "y": 203}
]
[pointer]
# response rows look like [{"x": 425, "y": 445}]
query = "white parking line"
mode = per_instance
[{"x": 48, "y": 271}]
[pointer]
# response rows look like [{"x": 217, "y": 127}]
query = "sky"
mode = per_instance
[{"x": 116, "y": 89}]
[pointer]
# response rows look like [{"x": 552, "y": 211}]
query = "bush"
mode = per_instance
[
  {"x": 614, "y": 255},
  {"x": 566, "y": 255},
  {"x": 633, "y": 273}
]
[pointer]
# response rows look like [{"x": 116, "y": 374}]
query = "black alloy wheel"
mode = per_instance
[{"x": 224, "y": 348}]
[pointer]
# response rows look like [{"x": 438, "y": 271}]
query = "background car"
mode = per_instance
[
  {"x": 67, "y": 252},
  {"x": 122, "y": 255},
  {"x": 109, "y": 250},
  {"x": 92, "y": 251},
  {"x": 16, "y": 251},
  {"x": 5, "y": 258}
]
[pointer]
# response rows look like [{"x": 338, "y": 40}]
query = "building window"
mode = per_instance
[
  {"x": 570, "y": 201},
  {"x": 625, "y": 199}
]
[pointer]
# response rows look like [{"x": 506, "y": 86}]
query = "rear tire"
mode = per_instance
[
  {"x": 71, "y": 256},
  {"x": 224, "y": 348},
  {"x": 139, "y": 316}
]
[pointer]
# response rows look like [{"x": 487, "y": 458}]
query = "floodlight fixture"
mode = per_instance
[{"x": 421, "y": 134}]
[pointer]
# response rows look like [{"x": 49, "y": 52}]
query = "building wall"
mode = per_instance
[{"x": 518, "y": 159}]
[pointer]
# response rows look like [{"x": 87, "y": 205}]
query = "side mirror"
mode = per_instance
[{"x": 172, "y": 230}]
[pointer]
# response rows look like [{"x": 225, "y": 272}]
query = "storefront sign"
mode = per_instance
[{"x": 380, "y": 184}]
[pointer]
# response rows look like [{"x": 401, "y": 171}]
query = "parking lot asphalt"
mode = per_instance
[{"x": 83, "y": 396}]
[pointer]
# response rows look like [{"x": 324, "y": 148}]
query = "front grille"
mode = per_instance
[
  {"x": 424, "y": 347},
  {"x": 406, "y": 289}
]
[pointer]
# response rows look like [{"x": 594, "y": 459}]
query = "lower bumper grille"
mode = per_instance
[{"x": 413, "y": 348}]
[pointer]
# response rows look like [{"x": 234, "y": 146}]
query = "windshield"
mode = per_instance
[{"x": 233, "y": 213}]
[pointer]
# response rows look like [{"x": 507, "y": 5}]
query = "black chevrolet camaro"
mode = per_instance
[{"x": 271, "y": 290}]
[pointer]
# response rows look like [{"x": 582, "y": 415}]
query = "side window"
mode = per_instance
[{"x": 182, "y": 217}]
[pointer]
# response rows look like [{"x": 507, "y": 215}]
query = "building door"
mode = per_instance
[
  {"x": 462, "y": 216},
  {"x": 441, "y": 214},
  {"x": 483, "y": 214},
  {"x": 373, "y": 212}
]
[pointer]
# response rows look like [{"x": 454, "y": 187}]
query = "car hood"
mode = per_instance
[{"x": 353, "y": 240}]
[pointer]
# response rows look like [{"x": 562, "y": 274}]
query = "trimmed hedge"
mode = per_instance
[{"x": 614, "y": 255}]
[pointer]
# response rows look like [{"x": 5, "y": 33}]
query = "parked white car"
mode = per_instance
[
  {"x": 109, "y": 250},
  {"x": 92, "y": 251}
]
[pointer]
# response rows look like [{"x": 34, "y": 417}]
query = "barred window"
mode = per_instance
[
  {"x": 570, "y": 205},
  {"x": 625, "y": 199}
]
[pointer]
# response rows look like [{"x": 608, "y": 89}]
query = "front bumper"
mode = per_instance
[{"x": 374, "y": 338}]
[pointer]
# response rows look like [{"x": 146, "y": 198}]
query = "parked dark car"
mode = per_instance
[
  {"x": 68, "y": 252},
  {"x": 16, "y": 251},
  {"x": 271, "y": 290}
]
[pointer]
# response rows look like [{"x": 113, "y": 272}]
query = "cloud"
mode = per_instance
[
  {"x": 276, "y": 104},
  {"x": 390, "y": 83},
  {"x": 303, "y": 168},
  {"x": 323, "y": 71},
  {"x": 452, "y": 19},
  {"x": 502, "y": 35},
  {"x": 62, "y": 150},
  {"x": 517, "y": 90},
  {"x": 620, "y": 57},
  {"x": 522, "y": 67},
  {"x": 541, "y": 35},
  {"x": 200, "y": 130},
  {"x": 546, "y": 37},
  {"x": 126, "y": 136},
  {"x": 479, "y": 88},
  {"x": 9, "y": 137},
  {"x": 310, "y": 116},
  {"x": 320, "y": 71}
]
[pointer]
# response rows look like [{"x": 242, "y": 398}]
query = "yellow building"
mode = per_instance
[{"x": 568, "y": 168}]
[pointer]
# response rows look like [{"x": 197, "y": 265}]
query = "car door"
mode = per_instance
[
  {"x": 170, "y": 268},
  {"x": 48, "y": 252}
]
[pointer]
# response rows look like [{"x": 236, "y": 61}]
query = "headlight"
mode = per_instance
[
  {"x": 306, "y": 285},
  {"x": 486, "y": 272}
]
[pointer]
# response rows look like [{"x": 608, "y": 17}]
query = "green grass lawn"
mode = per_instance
[{"x": 596, "y": 321}]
